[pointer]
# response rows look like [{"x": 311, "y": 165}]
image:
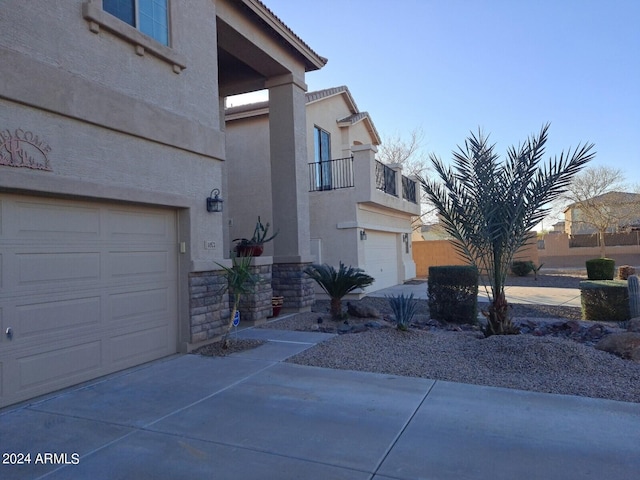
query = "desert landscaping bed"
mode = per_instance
[{"x": 555, "y": 355}]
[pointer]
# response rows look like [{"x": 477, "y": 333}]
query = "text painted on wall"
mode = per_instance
[{"x": 23, "y": 148}]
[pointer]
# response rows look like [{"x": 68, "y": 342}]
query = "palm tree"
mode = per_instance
[
  {"x": 490, "y": 207},
  {"x": 338, "y": 283}
]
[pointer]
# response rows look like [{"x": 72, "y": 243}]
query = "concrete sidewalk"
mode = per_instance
[
  {"x": 251, "y": 416},
  {"x": 569, "y": 297}
]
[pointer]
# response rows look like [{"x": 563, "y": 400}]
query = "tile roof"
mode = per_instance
[
  {"x": 319, "y": 62},
  {"x": 262, "y": 108},
  {"x": 330, "y": 92}
]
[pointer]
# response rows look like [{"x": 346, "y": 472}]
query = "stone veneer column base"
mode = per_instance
[
  {"x": 256, "y": 307},
  {"x": 208, "y": 305},
  {"x": 290, "y": 281}
]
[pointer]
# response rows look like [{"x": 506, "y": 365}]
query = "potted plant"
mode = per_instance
[
  {"x": 276, "y": 305},
  {"x": 254, "y": 246}
]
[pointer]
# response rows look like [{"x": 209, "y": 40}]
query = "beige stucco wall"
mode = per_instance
[
  {"x": 249, "y": 181},
  {"x": 121, "y": 126},
  {"x": 34, "y": 29},
  {"x": 558, "y": 254},
  {"x": 433, "y": 253},
  {"x": 336, "y": 216},
  {"x": 324, "y": 114}
]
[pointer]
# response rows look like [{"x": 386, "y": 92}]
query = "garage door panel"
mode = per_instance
[
  {"x": 138, "y": 305},
  {"x": 57, "y": 316},
  {"x": 53, "y": 268},
  {"x": 140, "y": 345},
  {"x": 46, "y": 220},
  {"x": 381, "y": 253},
  {"x": 138, "y": 226},
  {"x": 139, "y": 264},
  {"x": 88, "y": 288},
  {"x": 59, "y": 366}
]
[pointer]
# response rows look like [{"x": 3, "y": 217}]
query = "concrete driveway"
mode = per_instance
[
  {"x": 567, "y": 297},
  {"x": 252, "y": 416}
]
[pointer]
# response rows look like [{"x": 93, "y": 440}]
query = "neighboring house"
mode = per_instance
[
  {"x": 111, "y": 140},
  {"x": 621, "y": 209},
  {"x": 433, "y": 231},
  {"x": 360, "y": 210},
  {"x": 558, "y": 227}
]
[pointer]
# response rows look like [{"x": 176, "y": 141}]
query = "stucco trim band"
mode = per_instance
[{"x": 73, "y": 96}]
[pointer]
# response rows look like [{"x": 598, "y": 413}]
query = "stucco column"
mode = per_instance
[
  {"x": 289, "y": 192},
  {"x": 289, "y": 171}
]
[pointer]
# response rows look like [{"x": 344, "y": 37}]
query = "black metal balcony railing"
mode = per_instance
[
  {"x": 385, "y": 179},
  {"x": 331, "y": 174},
  {"x": 409, "y": 189}
]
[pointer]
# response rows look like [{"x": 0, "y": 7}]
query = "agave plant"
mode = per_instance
[
  {"x": 240, "y": 281},
  {"x": 490, "y": 207},
  {"x": 337, "y": 283},
  {"x": 404, "y": 308}
]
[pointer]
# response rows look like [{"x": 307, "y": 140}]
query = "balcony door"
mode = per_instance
[{"x": 322, "y": 149}]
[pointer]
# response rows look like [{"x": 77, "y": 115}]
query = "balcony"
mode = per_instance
[
  {"x": 385, "y": 178},
  {"x": 367, "y": 180},
  {"x": 331, "y": 174}
]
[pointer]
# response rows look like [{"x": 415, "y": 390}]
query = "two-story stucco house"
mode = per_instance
[
  {"x": 111, "y": 141},
  {"x": 615, "y": 210},
  {"x": 360, "y": 210}
]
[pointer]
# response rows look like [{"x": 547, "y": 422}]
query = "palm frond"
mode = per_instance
[{"x": 489, "y": 208}]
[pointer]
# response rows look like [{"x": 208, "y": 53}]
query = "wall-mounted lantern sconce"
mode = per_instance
[
  {"x": 363, "y": 235},
  {"x": 214, "y": 202},
  {"x": 405, "y": 237}
]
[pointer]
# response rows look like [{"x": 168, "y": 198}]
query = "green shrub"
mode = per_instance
[
  {"x": 338, "y": 283},
  {"x": 404, "y": 308},
  {"x": 604, "y": 300},
  {"x": 601, "y": 269},
  {"x": 453, "y": 293},
  {"x": 522, "y": 268}
]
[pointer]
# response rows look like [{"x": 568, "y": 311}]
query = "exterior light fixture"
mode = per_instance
[
  {"x": 214, "y": 202},
  {"x": 363, "y": 235},
  {"x": 405, "y": 237}
]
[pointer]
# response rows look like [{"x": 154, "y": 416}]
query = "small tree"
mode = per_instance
[
  {"x": 490, "y": 208},
  {"x": 408, "y": 152},
  {"x": 597, "y": 201},
  {"x": 337, "y": 283},
  {"x": 240, "y": 281}
]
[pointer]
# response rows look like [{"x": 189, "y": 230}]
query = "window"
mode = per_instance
[
  {"x": 148, "y": 16},
  {"x": 322, "y": 149}
]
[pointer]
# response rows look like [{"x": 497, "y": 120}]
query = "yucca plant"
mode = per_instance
[
  {"x": 490, "y": 207},
  {"x": 337, "y": 283},
  {"x": 404, "y": 308},
  {"x": 240, "y": 281}
]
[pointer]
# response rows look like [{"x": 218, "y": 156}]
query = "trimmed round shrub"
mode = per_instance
[
  {"x": 453, "y": 293},
  {"x": 604, "y": 300},
  {"x": 521, "y": 268},
  {"x": 601, "y": 268}
]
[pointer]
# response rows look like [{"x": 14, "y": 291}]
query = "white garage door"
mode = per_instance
[
  {"x": 381, "y": 258},
  {"x": 86, "y": 289}
]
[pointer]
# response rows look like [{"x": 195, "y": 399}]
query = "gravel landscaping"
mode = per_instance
[{"x": 558, "y": 360}]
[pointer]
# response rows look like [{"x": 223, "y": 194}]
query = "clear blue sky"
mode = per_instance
[{"x": 507, "y": 66}]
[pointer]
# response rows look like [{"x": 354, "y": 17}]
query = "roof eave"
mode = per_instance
[{"x": 313, "y": 61}]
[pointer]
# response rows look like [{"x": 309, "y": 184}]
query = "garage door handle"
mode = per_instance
[{"x": 9, "y": 333}]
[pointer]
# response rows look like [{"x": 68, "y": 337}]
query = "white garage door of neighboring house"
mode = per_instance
[
  {"x": 381, "y": 259},
  {"x": 86, "y": 289}
]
